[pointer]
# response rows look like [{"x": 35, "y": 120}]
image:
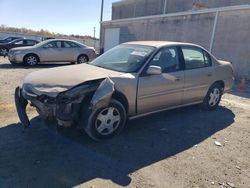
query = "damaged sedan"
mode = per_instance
[{"x": 129, "y": 81}]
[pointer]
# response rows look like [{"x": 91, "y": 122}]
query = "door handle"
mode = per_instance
[{"x": 209, "y": 74}]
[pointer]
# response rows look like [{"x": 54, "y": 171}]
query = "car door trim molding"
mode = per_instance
[
  {"x": 164, "y": 109},
  {"x": 165, "y": 92}
]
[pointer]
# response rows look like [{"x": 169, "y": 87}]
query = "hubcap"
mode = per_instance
[
  {"x": 214, "y": 97},
  {"x": 4, "y": 52},
  {"x": 107, "y": 121},
  {"x": 82, "y": 59},
  {"x": 32, "y": 60}
]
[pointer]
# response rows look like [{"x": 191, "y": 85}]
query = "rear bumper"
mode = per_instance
[{"x": 229, "y": 84}]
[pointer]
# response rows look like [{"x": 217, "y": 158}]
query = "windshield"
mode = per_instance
[{"x": 124, "y": 58}]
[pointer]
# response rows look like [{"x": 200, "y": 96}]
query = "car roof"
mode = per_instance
[
  {"x": 68, "y": 40},
  {"x": 51, "y": 40},
  {"x": 159, "y": 44}
]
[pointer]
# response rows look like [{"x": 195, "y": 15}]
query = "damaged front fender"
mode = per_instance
[{"x": 103, "y": 94}]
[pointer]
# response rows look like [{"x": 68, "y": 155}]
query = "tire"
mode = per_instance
[
  {"x": 4, "y": 51},
  {"x": 106, "y": 122},
  {"x": 82, "y": 59},
  {"x": 31, "y": 60},
  {"x": 213, "y": 97}
]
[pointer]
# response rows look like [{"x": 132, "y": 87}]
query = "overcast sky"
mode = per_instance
[{"x": 60, "y": 16}]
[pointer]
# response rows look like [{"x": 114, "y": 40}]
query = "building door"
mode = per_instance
[{"x": 111, "y": 38}]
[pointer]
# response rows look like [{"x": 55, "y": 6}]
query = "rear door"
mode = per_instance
[
  {"x": 198, "y": 73},
  {"x": 156, "y": 92},
  {"x": 70, "y": 50},
  {"x": 52, "y": 51}
]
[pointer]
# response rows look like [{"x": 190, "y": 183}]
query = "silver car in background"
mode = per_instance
[{"x": 54, "y": 50}]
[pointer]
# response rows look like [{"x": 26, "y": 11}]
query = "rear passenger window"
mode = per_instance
[
  {"x": 68, "y": 44},
  {"x": 195, "y": 58}
]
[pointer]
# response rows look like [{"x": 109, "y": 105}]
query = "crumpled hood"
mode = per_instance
[{"x": 55, "y": 80}]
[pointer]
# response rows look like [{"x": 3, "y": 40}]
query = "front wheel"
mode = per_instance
[
  {"x": 106, "y": 122},
  {"x": 213, "y": 97},
  {"x": 31, "y": 60}
]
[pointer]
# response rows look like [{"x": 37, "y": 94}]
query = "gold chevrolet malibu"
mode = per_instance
[{"x": 129, "y": 81}]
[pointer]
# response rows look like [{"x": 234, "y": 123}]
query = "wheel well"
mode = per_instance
[
  {"x": 220, "y": 82},
  {"x": 31, "y": 54},
  {"x": 116, "y": 95},
  {"x": 121, "y": 98},
  {"x": 84, "y": 55}
]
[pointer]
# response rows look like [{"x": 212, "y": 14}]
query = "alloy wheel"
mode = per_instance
[
  {"x": 214, "y": 97},
  {"x": 82, "y": 59},
  {"x": 107, "y": 121},
  {"x": 31, "y": 60}
]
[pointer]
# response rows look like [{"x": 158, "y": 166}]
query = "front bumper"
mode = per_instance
[
  {"x": 21, "y": 104},
  {"x": 45, "y": 109},
  {"x": 15, "y": 58},
  {"x": 65, "y": 107}
]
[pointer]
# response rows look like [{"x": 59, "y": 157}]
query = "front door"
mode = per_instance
[
  {"x": 52, "y": 51},
  {"x": 156, "y": 92}
]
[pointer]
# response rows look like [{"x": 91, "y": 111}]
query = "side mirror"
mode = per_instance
[{"x": 154, "y": 70}]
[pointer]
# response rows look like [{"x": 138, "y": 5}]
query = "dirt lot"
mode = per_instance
[{"x": 170, "y": 149}]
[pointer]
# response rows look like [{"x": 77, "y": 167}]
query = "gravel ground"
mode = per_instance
[{"x": 170, "y": 149}]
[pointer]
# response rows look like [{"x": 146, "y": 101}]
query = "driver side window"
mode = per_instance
[{"x": 167, "y": 59}]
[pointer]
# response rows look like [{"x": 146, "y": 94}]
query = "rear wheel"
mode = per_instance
[
  {"x": 106, "y": 122},
  {"x": 82, "y": 59},
  {"x": 31, "y": 60},
  {"x": 213, "y": 97}
]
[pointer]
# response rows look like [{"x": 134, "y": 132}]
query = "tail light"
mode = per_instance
[{"x": 94, "y": 51}]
